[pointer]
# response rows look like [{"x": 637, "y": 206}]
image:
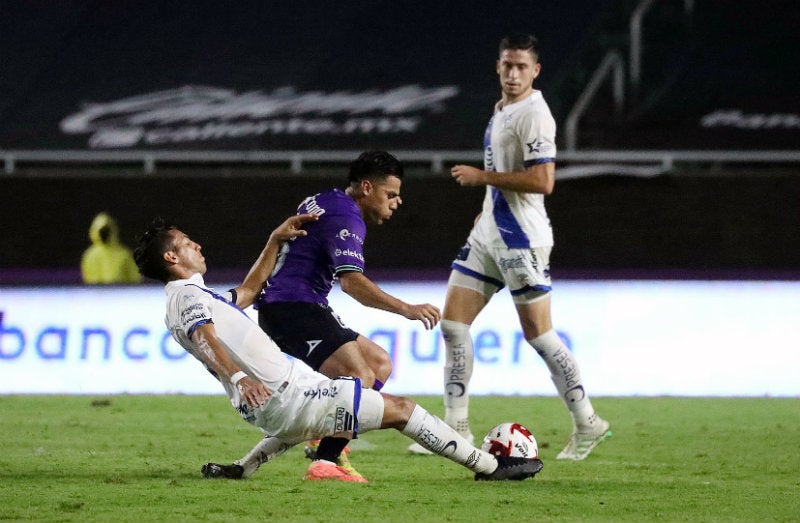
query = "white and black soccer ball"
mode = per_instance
[{"x": 511, "y": 439}]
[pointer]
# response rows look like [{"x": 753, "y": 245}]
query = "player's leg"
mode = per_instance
[
  {"x": 316, "y": 335},
  {"x": 361, "y": 358},
  {"x": 264, "y": 451},
  {"x": 439, "y": 438},
  {"x": 474, "y": 279},
  {"x": 462, "y": 306},
  {"x": 531, "y": 294}
]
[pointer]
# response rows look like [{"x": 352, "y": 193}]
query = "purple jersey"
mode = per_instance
[{"x": 308, "y": 265}]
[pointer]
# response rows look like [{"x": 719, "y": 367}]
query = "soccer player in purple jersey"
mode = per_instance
[
  {"x": 293, "y": 308},
  {"x": 283, "y": 397}
]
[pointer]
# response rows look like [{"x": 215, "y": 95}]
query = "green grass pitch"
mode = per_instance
[{"x": 137, "y": 458}]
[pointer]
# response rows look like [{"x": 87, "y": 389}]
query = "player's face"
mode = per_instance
[
  {"x": 186, "y": 253},
  {"x": 382, "y": 200},
  {"x": 517, "y": 71}
]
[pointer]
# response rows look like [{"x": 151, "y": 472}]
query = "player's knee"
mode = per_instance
[
  {"x": 383, "y": 367},
  {"x": 396, "y": 411},
  {"x": 451, "y": 329}
]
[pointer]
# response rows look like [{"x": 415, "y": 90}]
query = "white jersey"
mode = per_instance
[
  {"x": 304, "y": 404},
  {"x": 190, "y": 304},
  {"x": 518, "y": 136}
]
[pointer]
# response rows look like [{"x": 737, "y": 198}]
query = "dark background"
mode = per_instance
[
  {"x": 683, "y": 224},
  {"x": 699, "y": 219}
]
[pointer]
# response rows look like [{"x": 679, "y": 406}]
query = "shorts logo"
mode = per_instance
[
  {"x": 344, "y": 420},
  {"x": 312, "y": 344},
  {"x": 512, "y": 263}
]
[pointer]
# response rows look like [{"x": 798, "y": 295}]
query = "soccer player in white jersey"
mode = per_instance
[
  {"x": 283, "y": 397},
  {"x": 510, "y": 244}
]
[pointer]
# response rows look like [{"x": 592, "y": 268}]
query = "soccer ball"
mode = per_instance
[{"x": 511, "y": 439}]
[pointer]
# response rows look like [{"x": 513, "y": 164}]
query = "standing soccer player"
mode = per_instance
[
  {"x": 283, "y": 397},
  {"x": 510, "y": 244}
]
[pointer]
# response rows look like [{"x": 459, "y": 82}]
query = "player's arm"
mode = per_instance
[
  {"x": 247, "y": 292},
  {"x": 538, "y": 178},
  {"x": 216, "y": 358},
  {"x": 367, "y": 293}
]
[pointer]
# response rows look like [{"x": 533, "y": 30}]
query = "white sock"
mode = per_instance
[
  {"x": 457, "y": 373},
  {"x": 264, "y": 451},
  {"x": 440, "y": 438},
  {"x": 566, "y": 376}
]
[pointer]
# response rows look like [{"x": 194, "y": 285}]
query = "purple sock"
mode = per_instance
[{"x": 378, "y": 384}]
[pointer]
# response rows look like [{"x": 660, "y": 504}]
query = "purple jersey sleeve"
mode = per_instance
[{"x": 308, "y": 265}]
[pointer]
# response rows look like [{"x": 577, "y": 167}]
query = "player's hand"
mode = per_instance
[
  {"x": 292, "y": 227},
  {"x": 468, "y": 176},
  {"x": 253, "y": 392},
  {"x": 428, "y": 314}
]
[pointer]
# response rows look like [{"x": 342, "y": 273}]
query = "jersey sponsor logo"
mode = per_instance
[
  {"x": 194, "y": 312},
  {"x": 312, "y": 344},
  {"x": 345, "y": 233},
  {"x": 349, "y": 253},
  {"x": 310, "y": 206}
]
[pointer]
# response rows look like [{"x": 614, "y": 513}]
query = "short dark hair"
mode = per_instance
[
  {"x": 375, "y": 165},
  {"x": 521, "y": 41},
  {"x": 149, "y": 252}
]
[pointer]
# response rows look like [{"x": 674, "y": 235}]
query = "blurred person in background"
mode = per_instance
[
  {"x": 510, "y": 245},
  {"x": 282, "y": 396},
  {"x": 107, "y": 260}
]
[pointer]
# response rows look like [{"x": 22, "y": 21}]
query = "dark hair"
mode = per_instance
[
  {"x": 149, "y": 253},
  {"x": 521, "y": 41},
  {"x": 375, "y": 165}
]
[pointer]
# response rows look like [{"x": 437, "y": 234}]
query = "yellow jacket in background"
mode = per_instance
[{"x": 107, "y": 260}]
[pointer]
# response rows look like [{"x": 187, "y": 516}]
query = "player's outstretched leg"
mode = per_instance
[{"x": 439, "y": 438}]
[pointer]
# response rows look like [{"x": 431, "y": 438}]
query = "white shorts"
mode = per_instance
[
  {"x": 312, "y": 406},
  {"x": 486, "y": 270}
]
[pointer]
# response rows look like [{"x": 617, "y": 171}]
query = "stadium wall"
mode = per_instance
[{"x": 741, "y": 223}]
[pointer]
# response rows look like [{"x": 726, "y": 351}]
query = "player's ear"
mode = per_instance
[
  {"x": 170, "y": 257},
  {"x": 366, "y": 187}
]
